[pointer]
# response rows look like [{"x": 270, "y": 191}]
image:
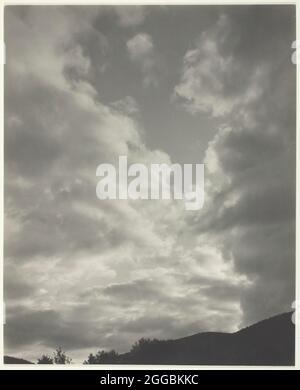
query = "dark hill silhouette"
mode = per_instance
[
  {"x": 14, "y": 360},
  {"x": 269, "y": 343}
]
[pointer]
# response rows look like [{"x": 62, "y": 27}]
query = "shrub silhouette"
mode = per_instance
[
  {"x": 103, "y": 357},
  {"x": 45, "y": 359}
]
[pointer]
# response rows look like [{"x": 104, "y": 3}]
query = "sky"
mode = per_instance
[{"x": 159, "y": 84}]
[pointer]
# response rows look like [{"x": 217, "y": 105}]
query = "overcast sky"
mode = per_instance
[{"x": 83, "y": 85}]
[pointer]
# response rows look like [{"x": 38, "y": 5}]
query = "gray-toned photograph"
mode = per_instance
[{"x": 149, "y": 184}]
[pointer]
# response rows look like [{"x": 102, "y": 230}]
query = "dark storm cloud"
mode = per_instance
[
  {"x": 217, "y": 289},
  {"x": 251, "y": 160},
  {"x": 47, "y": 327},
  {"x": 16, "y": 289}
]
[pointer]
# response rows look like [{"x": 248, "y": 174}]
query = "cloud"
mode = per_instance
[
  {"x": 209, "y": 80},
  {"x": 250, "y": 162},
  {"x": 127, "y": 106},
  {"x": 85, "y": 259},
  {"x": 50, "y": 328},
  {"x": 131, "y": 16},
  {"x": 141, "y": 50},
  {"x": 140, "y": 47}
]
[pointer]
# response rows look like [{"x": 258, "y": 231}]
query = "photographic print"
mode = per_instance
[{"x": 150, "y": 184}]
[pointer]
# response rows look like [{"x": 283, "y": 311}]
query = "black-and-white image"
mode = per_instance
[{"x": 149, "y": 184}]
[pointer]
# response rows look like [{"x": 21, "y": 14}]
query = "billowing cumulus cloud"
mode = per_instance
[
  {"x": 213, "y": 81},
  {"x": 141, "y": 51},
  {"x": 140, "y": 46},
  {"x": 87, "y": 274}
]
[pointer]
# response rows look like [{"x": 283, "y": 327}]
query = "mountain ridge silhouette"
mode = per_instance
[{"x": 270, "y": 342}]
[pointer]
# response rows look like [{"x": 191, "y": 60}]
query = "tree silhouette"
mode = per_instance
[
  {"x": 146, "y": 350},
  {"x": 144, "y": 345},
  {"x": 45, "y": 359},
  {"x": 60, "y": 357},
  {"x": 103, "y": 357}
]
